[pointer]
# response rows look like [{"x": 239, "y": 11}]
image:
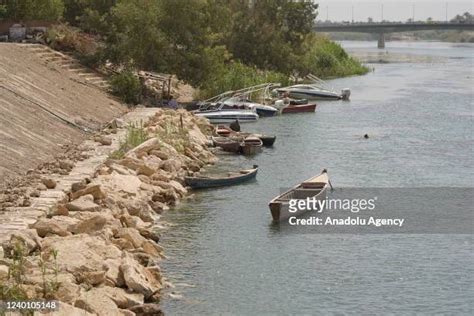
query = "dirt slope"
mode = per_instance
[{"x": 37, "y": 98}]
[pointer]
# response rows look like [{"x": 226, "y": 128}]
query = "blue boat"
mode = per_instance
[{"x": 233, "y": 178}]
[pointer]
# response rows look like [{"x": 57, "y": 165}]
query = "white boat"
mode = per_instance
[
  {"x": 261, "y": 109},
  {"x": 232, "y": 105},
  {"x": 317, "y": 90},
  {"x": 218, "y": 114},
  {"x": 315, "y": 187}
]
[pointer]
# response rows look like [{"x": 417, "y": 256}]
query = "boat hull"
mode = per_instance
[
  {"x": 266, "y": 113},
  {"x": 300, "y": 108},
  {"x": 202, "y": 183},
  {"x": 314, "y": 96},
  {"x": 267, "y": 141},
  {"x": 281, "y": 210},
  {"x": 222, "y": 117}
]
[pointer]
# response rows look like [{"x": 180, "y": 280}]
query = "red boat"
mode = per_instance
[{"x": 299, "y": 108}]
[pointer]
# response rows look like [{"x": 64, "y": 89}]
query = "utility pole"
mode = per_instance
[
  {"x": 446, "y": 12},
  {"x": 327, "y": 13},
  {"x": 413, "y": 12},
  {"x": 382, "y": 14},
  {"x": 352, "y": 13}
]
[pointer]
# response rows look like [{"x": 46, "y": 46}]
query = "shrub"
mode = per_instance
[
  {"x": 136, "y": 135},
  {"x": 236, "y": 75},
  {"x": 126, "y": 86}
]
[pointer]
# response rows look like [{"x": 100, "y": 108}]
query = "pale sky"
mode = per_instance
[{"x": 401, "y": 10}]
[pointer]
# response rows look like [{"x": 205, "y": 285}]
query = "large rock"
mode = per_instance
[
  {"x": 81, "y": 255},
  {"x": 57, "y": 225},
  {"x": 178, "y": 187},
  {"x": 148, "y": 309},
  {"x": 114, "y": 276},
  {"x": 132, "y": 235},
  {"x": 93, "y": 189},
  {"x": 145, "y": 147},
  {"x": 87, "y": 226},
  {"x": 118, "y": 183},
  {"x": 49, "y": 183},
  {"x": 137, "y": 278},
  {"x": 83, "y": 204},
  {"x": 145, "y": 170},
  {"x": 121, "y": 298},
  {"x": 131, "y": 163},
  {"x": 98, "y": 303},
  {"x": 171, "y": 165},
  {"x": 28, "y": 239}
]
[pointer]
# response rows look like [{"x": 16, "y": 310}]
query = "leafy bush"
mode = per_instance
[
  {"x": 49, "y": 10},
  {"x": 67, "y": 38},
  {"x": 126, "y": 86},
  {"x": 325, "y": 59},
  {"x": 236, "y": 75}
]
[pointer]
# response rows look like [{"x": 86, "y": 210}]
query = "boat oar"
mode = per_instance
[{"x": 330, "y": 184}]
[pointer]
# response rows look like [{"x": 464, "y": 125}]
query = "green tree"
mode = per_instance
[{"x": 23, "y": 10}]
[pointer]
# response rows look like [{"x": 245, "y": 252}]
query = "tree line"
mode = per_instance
[{"x": 201, "y": 41}]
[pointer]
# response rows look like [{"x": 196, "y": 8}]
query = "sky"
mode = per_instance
[{"x": 393, "y": 10}]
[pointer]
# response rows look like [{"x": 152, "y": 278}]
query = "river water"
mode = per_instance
[{"x": 225, "y": 256}]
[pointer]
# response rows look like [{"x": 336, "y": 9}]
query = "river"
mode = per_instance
[{"x": 225, "y": 257}]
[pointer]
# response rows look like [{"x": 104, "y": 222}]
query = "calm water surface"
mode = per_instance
[{"x": 225, "y": 257}]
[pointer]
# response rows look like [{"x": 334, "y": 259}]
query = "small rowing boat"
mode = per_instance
[
  {"x": 251, "y": 145},
  {"x": 232, "y": 178},
  {"x": 315, "y": 187},
  {"x": 228, "y": 144},
  {"x": 299, "y": 108},
  {"x": 223, "y": 131}
]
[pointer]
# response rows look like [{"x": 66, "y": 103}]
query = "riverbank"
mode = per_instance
[
  {"x": 95, "y": 249},
  {"x": 225, "y": 257}
]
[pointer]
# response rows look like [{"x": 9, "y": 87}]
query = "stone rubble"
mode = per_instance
[{"x": 100, "y": 244}]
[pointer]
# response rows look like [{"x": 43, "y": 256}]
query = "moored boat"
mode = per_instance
[
  {"x": 299, "y": 108},
  {"x": 251, "y": 145},
  {"x": 224, "y": 131},
  {"x": 241, "y": 103},
  {"x": 232, "y": 178},
  {"x": 267, "y": 140},
  {"x": 315, "y": 187},
  {"x": 219, "y": 115},
  {"x": 227, "y": 144}
]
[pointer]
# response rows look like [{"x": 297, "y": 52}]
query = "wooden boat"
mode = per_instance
[
  {"x": 314, "y": 187},
  {"x": 299, "y": 108},
  {"x": 267, "y": 140},
  {"x": 228, "y": 144},
  {"x": 251, "y": 145},
  {"x": 232, "y": 178},
  {"x": 224, "y": 131}
]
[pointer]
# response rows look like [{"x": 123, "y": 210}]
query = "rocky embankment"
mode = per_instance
[{"x": 97, "y": 251}]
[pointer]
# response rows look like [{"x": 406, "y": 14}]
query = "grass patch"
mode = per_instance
[
  {"x": 136, "y": 135},
  {"x": 175, "y": 136}
]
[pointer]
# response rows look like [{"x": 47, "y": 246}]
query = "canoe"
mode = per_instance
[
  {"x": 201, "y": 182},
  {"x": 299, "y": 108},
  {"x": 314, "y": 187},
  {"x": 228, "y": 144},
  {"x": 224, "y": 131},
  {"x": 251, "y": 145},
  {"x": 267, "y": 140}
]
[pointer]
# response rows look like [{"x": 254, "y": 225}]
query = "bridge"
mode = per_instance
[{"x": 387, "y": 27}]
